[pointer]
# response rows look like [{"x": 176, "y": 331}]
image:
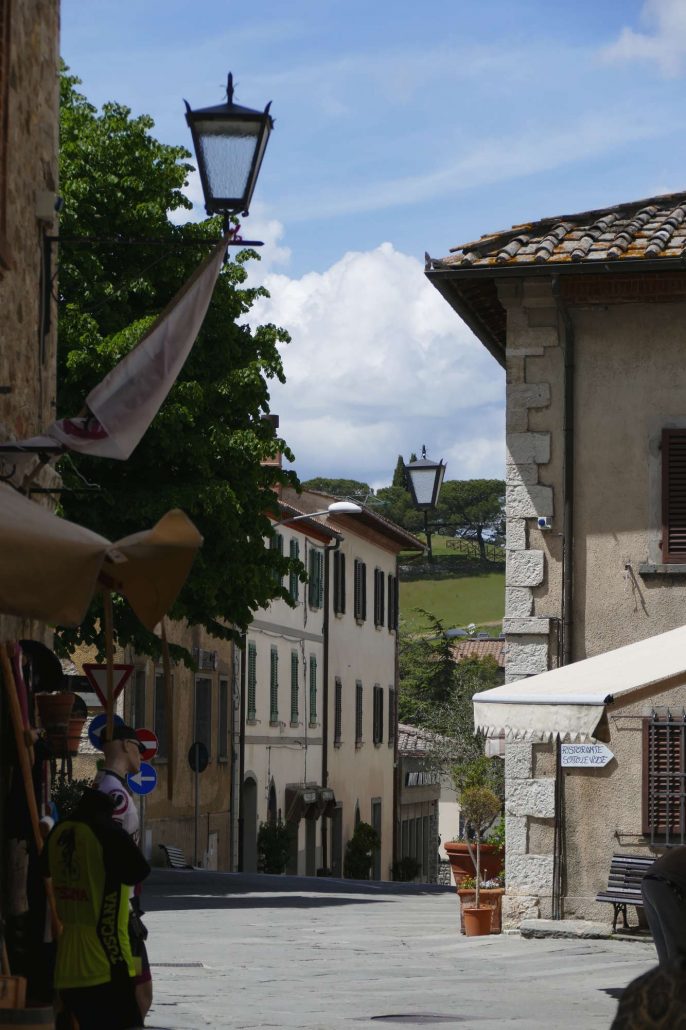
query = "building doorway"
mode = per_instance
[{"x": 249, "y": 856}]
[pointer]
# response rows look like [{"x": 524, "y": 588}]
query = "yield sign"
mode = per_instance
[
  {"x": 97, "y": 677},
  {"x": 149, "y": 742}
]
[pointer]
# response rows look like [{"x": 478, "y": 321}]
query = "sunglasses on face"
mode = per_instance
[{"x": 138, "y": 744}]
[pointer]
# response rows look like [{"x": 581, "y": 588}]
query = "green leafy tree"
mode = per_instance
[
  {"x": 204, "y": 450},
  {"x": 473, "y": 507},
  {"x": 340, "y": 487},
  {"x": 396, "y": 505}
]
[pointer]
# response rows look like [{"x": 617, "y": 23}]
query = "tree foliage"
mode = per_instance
[
  {"x": 204, "y": 450},
  {"x": 473, "y": 507},
  {"x": 340, "y": 487},
  {"x": 435, "y": 693}
]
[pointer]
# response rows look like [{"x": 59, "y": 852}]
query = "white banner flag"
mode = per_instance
[{"x": 124, "y": 404}]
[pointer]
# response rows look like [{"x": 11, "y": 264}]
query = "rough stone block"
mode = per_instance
[
  {"x": 531, "y": 797},
  {"x": 527, "y": 655},
  {"x": 516, "y": 535},
  {"x": 524, "y": 569},
  {"x": 574, "y": 929},
  {"x": 516, "y": 419},
  {"x": 517, "y": 907},
  {"x": 525, "y": 447},
  {"x": 531, "y": 625},
  {"x": 516, "y": 834},
  {"x": 538, "y": 293},
  {"x": 525, "y": 474},
  {"x": 519, "y": 601},
  {"x": 529, "y": 874},
  {"x": 519, "y": 759},
  {"x": 528, "y": 502},
  {"x": 529, "y": 395}
]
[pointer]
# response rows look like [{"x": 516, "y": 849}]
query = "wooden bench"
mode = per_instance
[
  {"x": 175, "y": 857},
  {"x": 624, "y": 884}
]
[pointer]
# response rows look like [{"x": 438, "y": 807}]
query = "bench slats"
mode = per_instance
[
  {"x": 175, "y": 857},
  {"x": 624, "y": 884}
]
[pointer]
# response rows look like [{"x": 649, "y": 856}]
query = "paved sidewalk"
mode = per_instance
[{"x": 248, "y": 952}]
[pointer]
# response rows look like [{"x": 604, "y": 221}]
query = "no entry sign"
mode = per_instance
[{"x": 149, "y": 742}]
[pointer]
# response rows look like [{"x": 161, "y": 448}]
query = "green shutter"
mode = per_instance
[
  {"x": 313, "y": 688},
  {"x": 295, "y": 662},
  {"x": 293, "y": 582},
  {"x": 252, "y": 680},
  {"x": 274, "y": 686}
]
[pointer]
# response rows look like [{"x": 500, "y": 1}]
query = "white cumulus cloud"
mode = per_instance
[
  {"x": 379, "y": 364},
  {"x": 664, "y": 42}
]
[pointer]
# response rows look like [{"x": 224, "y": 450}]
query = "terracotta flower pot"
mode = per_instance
[
  {"x": 477, "y": 921},
  {"x": 490, "y": 899},
  {"x": 74, "y": 730},
  {"x": 492, "y": 861},
  {"x": 54, "y": 711}
]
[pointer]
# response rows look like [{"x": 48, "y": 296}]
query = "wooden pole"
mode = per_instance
[
  {"x": 25, "y": 766},
  {"x": 109, "y": 656}
]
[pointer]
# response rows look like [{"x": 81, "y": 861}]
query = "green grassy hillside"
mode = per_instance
[{"x": 456, "y": 588}]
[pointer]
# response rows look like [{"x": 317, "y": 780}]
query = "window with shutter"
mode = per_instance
[
  {"x": 378, "y": 714},
  {"x": 313, "y": 690},
  {"x": 295, "y": 666},
  {"x": 379, "y": 589},
  {"x": 392, "y": 615},
  {"x": 5, "y": 51},
  {"x": 358, "y": 713},
  {"x": 664, "y": 774},
  {"x": 274, "y": 686},
  {"x": 339, "y": 583},
  {"x": 338, "y": 711},
  {"x": 293, "y": 581},
  {"x": 276, "y": 544},
  {"x": 360, "y": 601},
  {"x": 391, "y": 716},
  {"x": 223, "y": 738},
  {"x": 252, "y": 681},
  {"x": 203, "y": 712},
  {"x": 316, "y": 578},
  {"x": 674, "y": 496},
  {"x": 159, "y": 723}
]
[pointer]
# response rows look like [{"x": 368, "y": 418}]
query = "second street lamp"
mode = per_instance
[
  {"x": 229, "y": 142},
  {"x": 424, "y": 479}
]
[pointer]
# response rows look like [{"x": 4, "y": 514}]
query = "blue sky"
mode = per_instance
[{"x": 401, "y": 128}]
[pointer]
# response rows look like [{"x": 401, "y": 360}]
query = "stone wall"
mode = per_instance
[{"x": 532, "y": 591}]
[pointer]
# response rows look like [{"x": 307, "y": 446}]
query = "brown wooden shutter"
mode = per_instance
[
  {"x": 674, "y": 496},
  {"x": 664, "y": 795}
]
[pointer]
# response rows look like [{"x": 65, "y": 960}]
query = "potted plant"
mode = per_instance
[
  {"x": 359, "y": 852},
  {"x": 480, "y": 805},
  {"x": 491, "y": 893},
  {"x": 480, "y": 772},
  {"x": 273, "y": 847}
]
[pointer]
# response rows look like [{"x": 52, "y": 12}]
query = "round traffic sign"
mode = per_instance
[
  {"x": 97, "y": 726},
  {"x": 198, "y": 756},
  {"x": 149, "y": 742},
  {"x": 143, "y": 781}
]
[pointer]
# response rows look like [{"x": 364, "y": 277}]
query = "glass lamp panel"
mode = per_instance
[
  {"x": 423, "y": 483},
  {"x": 227, "y": 153}
]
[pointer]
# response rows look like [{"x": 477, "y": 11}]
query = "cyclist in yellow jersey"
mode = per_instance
[{"x": 92, "y": 862}]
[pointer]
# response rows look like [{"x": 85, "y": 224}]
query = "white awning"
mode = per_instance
[{"x": 571, "y": 701}]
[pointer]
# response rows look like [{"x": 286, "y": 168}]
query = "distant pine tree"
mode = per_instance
[{"x": 399, "y": 474}]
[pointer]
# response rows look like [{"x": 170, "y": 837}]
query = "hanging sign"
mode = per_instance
[
  {"x": 97, "y": 726},
  {"x": 144, "y": 781},
  {"x": 149, "y": 742},
  {"x": 585, "y": 755},
  {"x": 97, "y": 677}
]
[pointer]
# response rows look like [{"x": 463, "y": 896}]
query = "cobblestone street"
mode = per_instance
[{"x": 247, "y": 952}]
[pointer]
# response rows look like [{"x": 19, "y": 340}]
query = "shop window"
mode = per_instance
[{"x": 664, "y": 775}]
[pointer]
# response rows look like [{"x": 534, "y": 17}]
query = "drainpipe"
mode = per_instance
[
  {"x": 567, "y": 576},
  {"x": 329, "y": 548},
  {"x": 241, "y": 751}
]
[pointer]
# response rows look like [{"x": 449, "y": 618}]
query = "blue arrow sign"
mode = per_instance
[
  {"x": 144, "y": 781},
  {"x": 97, "y": 726}
]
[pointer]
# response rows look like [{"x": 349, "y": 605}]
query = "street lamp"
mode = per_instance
[
  {"x": 229, "y": 142},
  {"x": 336, "y": 508},
  {"x": 424, "y": 480}
]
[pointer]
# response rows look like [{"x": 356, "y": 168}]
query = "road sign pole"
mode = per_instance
[{"x": 197, "y": 801}]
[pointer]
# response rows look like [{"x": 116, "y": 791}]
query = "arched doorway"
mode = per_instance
[{"x": 249, "y": 856}]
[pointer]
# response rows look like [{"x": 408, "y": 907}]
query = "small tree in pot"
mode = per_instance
[{"x": 480, "y": 805}]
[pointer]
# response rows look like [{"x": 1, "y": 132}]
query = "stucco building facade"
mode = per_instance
[{"x": 585, "y": 314}]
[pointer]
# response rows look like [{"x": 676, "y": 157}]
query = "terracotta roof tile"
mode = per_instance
[
  {"x": 480, "y": 649},
  {"x": 652, "y": 228}
]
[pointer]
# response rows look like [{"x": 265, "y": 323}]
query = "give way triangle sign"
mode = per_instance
[{"x": 97, "y": 676}]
